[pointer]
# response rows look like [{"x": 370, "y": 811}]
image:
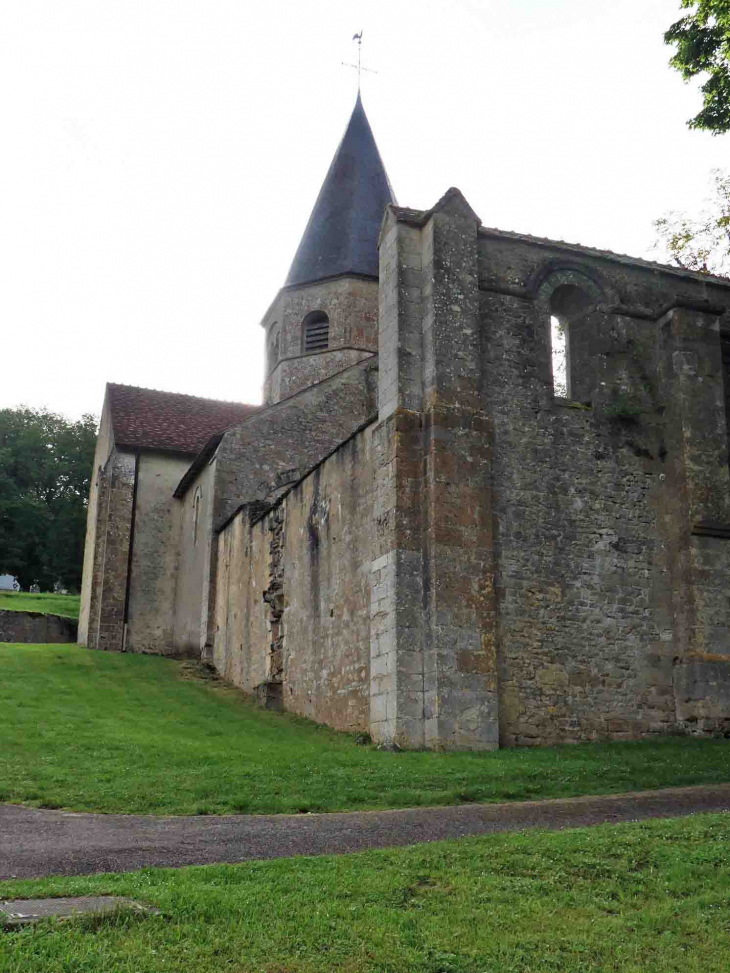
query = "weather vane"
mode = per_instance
[{"x": 358, "y": 67}]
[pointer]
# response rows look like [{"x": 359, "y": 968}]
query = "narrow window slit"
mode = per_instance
[
  {"x": 571, "y": 330},
  {"x": 559, "y": 360}
]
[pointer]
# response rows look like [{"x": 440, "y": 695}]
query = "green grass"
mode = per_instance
[
  {"x": 100, "y": 731},
  {"x": 637, "y": 898},
  {"x": 23, "y": 601}
]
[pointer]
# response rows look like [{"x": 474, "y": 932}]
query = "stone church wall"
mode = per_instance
[
  {"x": 130, "y": 487},
  {"x": 155, "y": 552},
  {"x": 582, "y": 608},
  {"x": 254, "y": 463},
  {"x": 548, "y": 570},
  {"x": 293, "y": 603},
  {"x": 108, "y": 588},
  {"x": 194, "y": 575},
  {"x": 104, "y": 445},
  {"x": 242, "y": 638},
  {"x": 258, "y": 459},
  {"x": 596, "y": 507}
]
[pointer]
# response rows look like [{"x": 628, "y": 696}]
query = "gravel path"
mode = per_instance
[{"x": 36, "y": 843}]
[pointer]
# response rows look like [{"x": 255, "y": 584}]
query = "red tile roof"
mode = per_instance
[{"x": 148, "y": 419}]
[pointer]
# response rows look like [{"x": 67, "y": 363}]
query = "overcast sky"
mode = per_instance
[{"x": 159, "y": 159}]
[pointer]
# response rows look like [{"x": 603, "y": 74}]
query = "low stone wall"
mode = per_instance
[{"x": 32, "y": 627}]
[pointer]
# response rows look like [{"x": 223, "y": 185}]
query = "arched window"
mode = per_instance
[
  {"x": 570, "y": 332},
  {"x": 316, "y": 327},
  {"x": 574, "y": 306}
]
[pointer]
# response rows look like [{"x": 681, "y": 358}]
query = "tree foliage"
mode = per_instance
[
  {"x": 700, "y": 243},
  {"x": 702, "y": 42},
  {"x": 45, "y": 469}
]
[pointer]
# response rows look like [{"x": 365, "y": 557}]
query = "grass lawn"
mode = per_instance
[
  {"x": 99, "y": 731},
  {"x": 636, "y": 898},
  {"x": 23, "y": 601}
]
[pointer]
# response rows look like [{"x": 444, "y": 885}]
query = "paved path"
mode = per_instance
[{"x": 36, "y": 843}]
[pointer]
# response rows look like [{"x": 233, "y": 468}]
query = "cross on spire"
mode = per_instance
[{"x": 358, "y": 67}]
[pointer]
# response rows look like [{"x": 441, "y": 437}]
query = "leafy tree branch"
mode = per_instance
[
  {"x": 702, "y": 43},
  {"x": 700, "y": 243}
]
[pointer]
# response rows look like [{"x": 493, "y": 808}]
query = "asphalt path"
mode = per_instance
[{"x": 35, "y": 843}]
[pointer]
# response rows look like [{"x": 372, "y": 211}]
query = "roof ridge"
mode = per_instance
[
  {"x": 605, "y": 252},
  {"x": 183, "y": 395}
]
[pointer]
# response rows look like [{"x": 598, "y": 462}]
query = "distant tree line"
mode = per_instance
[{"x": 45, "y": 472}]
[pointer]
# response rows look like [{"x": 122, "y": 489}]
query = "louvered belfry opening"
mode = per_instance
[{"x": 316, "y": 331}]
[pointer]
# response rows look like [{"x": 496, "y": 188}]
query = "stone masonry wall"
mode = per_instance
[
  {"x": 351, "y": 305},
  {"x": 581, "y": 588},
  {"x": 294, "y": 591},
  {"x": 241, "y": 647},
  {"x": 155, "y": 554},
  {"x": 300, "y": 373},
  {"x": 256, "y": 462},
  {"x": 326, "y": 580},
  {"x": 192, "y": 593},
  {"x": 36, "y": 627},
  {"x": 104, "y": 445},
  {"x": 107, "y": 591},
  {"x": 545, "y": 571},
  {"x": 433, "y": 661},
  {"x": 597, "y": 563}
]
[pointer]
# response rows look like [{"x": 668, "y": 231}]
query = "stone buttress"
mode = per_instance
[{"x": 433, "y": 665}]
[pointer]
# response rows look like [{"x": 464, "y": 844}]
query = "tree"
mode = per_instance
[
  {"x": 702, "y": 41},
  {"x": 45, "y": 470},
  {"x": 700, "y": 243}
]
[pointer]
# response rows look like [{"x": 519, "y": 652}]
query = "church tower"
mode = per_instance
[{"x": 325, "y": 317}]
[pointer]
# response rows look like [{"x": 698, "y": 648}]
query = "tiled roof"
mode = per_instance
[{"x": 148, "y": 419}]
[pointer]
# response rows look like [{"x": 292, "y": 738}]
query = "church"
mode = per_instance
[{"x": 421, "y": 534}]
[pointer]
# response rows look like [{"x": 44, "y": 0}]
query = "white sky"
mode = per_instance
[{"x": 159, "y": 159}]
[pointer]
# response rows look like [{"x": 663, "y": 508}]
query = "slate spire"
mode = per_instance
[{"x": 342, "y": 233}]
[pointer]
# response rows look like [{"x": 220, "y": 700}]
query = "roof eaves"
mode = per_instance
[
  {"x": 622, "y": 258},
  {"x": 198, "y": 463}
]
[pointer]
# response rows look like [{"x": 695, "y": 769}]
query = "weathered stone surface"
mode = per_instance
[
  {"x": 254, "y": 463},
  {"x": 557, "y": 541},
  {"x": 488, "y": 563},
  {"x": 197, "y": 566},
  {"x": 36, "y": 627},
  {"x": 96, "y": 515},
  {"x": 351, "y": 305},
  {"x": 112, "y": 536},
  {"x": 23, "y": 912},
  {"x": 155, "y": 556},
  {"x": 294, "y": 594}
]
